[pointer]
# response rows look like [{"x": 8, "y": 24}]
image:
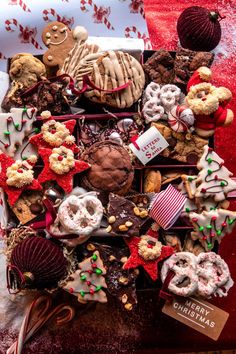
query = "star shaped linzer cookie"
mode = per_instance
[
  {"x": 147, "y": 251},
  {"x": 12, "y": 178},
  {"x": 60, "y": 166},
  {"x": 52, "y": 130}
]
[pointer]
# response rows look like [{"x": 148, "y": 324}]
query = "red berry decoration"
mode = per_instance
[{"x": 199, "y": 28}]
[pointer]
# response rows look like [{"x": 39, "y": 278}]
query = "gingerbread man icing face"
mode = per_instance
[{"x": 59, "y": 39}]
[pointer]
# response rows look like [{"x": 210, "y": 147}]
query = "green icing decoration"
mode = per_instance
[
  {"x": 83, "y": 277},
  {"x": 209, "y": 160},
  {"x": 201, "y": 228},
  {"x": 98, "y": 288},
  {"x": 82, "y": 293},
  {"x": 98, "y": 271},
  {"x": 94, "y": 257},
  {"x": 209, "y": 227}
]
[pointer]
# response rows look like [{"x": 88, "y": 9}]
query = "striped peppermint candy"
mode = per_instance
[{"x": 167, "y": 206}]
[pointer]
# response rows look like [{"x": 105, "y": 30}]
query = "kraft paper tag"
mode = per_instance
[
  {"x": 197, "y": 314},
  {"x": 148, "y": 145}
]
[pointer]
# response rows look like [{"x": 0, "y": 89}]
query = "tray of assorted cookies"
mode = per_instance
[{"x": 110, "y": 182}]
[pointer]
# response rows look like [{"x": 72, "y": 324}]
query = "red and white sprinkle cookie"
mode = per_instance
[
  {"x": 185, "y": 281},
  {"x": 80, "y": 214},
  {"x": 180, "y": 119},
  {"x": 152, "y": 112},
  {"x": 213, "y": 273}
]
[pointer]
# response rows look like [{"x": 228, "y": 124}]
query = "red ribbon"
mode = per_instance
[
  {"x": 133, "y": 141},
  {"x": 164, "y": 292},
  {"x": 86, "y": 84}
]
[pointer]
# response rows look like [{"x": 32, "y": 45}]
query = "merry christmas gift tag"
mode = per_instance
[
  {"x": 197, "y": 314},
  {"x": 148, "y": 145}
]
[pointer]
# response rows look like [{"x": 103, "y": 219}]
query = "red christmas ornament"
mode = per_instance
[
  {"x": 65, "y": 181},
  {"x": 150, "y": 266},
  {"x": 13, "y": 193},
  {"x": 199, "y": 28}
]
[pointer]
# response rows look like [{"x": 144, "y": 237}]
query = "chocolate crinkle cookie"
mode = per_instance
[
  {"x": 160, "y": 67},
  {"x": 187, "y": 61},
  {"x": 111, "y": 168}
]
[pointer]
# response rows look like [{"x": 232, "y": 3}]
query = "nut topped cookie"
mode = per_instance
[{"x": 111, "y": 71}]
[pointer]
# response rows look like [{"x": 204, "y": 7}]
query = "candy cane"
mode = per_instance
[
  {"x": 58, "y": 18},
  {"x": 21, "y": 3},
  {"x": 137, "y": 34},
  {"x": 14, "y": 22},
  {"x": 83, "y": 8},
  {"x": 38, "y": 313},
  {"x": 24, "y": 6}
]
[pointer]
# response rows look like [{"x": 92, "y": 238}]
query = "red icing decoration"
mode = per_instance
[
  {"x": 216, "y": 177},
  {"x": 39, "y": 142},
  {"x": 65, "y": 181},
  {"x": 71, "y": 290},
  {"x": 94, "y": 265},
  {"x": 194, "y": 219},
  {"x": 6, "y": 145},
  {"x": 135, "y": 260},
  {"x": 13, "y": 193},
  {"x": 91, "y": 291},
  {"x": 224, "y": 224},
  {"x": 213, "y": 234},
  {"x": 203, "y": 190},
  {"x": 204, "y": 238},
  {"x": 88, "y": 283},
  {"x": 214, "y": 218},
  {"x": 9, "y": 119}
]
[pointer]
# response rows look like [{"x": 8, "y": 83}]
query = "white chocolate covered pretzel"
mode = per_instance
[
  {"x": 213, "y": 273},
  {"x": 152, "y": 112},
  {"x": 80, "y": 214},
  {"x": 185, "y": 280}
]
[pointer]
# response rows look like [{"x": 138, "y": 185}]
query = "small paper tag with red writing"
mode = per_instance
[
  {"x": 149, "y": 145},
  {"x": 197, "y": 314}
]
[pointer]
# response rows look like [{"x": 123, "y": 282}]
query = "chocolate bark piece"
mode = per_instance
[
  {"x": 125, "y": 217},
  {"x": 187, "y": 61},
  {"x": 120, "y": 282},
  {"x": 160, "y": 67},
  {"x": 111, "y": 168},
  {"x": 28, "y": 206}
]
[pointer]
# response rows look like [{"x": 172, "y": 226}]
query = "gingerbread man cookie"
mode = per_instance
[{"x": 60, "y": 40}]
